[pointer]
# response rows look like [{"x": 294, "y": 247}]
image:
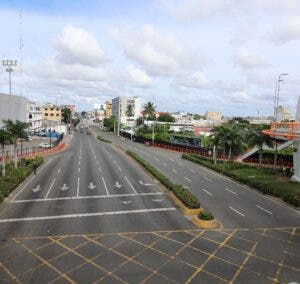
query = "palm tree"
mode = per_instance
[
  {"x": 214, "y": 141},
  {"x": 16, "y": 130},
  {"x": 129, "y": 111},
  {"x": 220, "y": 135},
  {"x": 149, "y": 111},
  {"x": 234, "y": 140},
  {"x": 4, "y": 140},
  {"x": 257, "y": 138}
]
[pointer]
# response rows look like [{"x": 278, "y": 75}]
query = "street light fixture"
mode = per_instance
[
  {"x": 277, "y": 95},
  {"x": 8, "y": 63}
]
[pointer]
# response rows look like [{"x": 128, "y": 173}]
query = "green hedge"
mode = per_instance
[
  {"x": 205, "y": 215},
  {"x": 188, "y": 199},
  {"x": 102, "y": 139},
  {"x": 15, "y": 176},
  {"x": 268, "y": 186}
]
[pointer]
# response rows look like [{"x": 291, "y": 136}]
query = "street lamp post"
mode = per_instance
[
  {"x": 276, "y": 102},
  {"x": 9, "y": 64}
]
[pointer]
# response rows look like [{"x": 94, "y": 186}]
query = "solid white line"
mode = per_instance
[
  {"x": 30, "y": 180},
  {"x": 236, "y": 211},
  {"x": 165, "y": 164},
  {"x": 263, "y": 209},
  {"x": 67, "y": 216},
  {"x": 59, "y": 170},
  {"x": 78, "y": 181},
  {"x": 174, "y": 171},
  {"x": 230, "y": 191},
  {"x": 50, "y": 189},
  {"x": 187, "y": 179},
  {"x": 107, "y": 193},
  {"x": 130, "y": 185},
  {"x": 119, "y": 169},
  {"x": 207, "y": 192},
  {"x": 87, "y": 197},
  {"x": 208, "y": 179},
  {"x": 99, "y": 169},
  {"x": 79, "y": 170}
]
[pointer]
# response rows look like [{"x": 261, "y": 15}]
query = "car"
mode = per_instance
[
  {"x": 44, "y": 145},
  {"x": 88, "y": 132}
]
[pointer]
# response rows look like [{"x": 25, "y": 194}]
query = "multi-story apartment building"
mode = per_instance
[
  {"x": 212, "y": 115},
  {"x": 120, "y": 107},
  {"x": 283, "y": 113},
  {"x": 51, "y": 112},
  {"x": 34, "y": 116},
  {"x": 108, "y": 109}
]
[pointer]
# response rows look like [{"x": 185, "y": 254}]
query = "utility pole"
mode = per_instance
[
  {"x": 119, "y": 116},
  {"x": 153, "y": 134},
  {"x": 9, "y": 64}
]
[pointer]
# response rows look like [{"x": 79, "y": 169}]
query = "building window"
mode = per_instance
[
  {"x": 57, "y": 114},
  {"x": 52, "y": 108},
  {"x": 57, "y": 109},
  {"x": 46, "y": 114},
  {"x": 46, "y": 108},
  {"x": 30, "y": 116},
  {"x": 51, "y": 114}
]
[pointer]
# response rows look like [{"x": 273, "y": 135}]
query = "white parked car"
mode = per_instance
[{"x": 44, "y": 145}]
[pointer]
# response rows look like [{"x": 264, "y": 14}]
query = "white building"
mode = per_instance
[
  {"x": 34, "y": 116},
  {"x": 283, "y": 113},
  {"x": 120, "y": 107}
]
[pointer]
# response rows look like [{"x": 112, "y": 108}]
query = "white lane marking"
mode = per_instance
[
  {"x": 130, "y": 185},
  {"x": 156, "y": 181},
  {"x": 67, "y": 216},
  {"x": 187, "y": 179},
  {"x": 97, "y": 163},
  {"x": 206, "y": 191},
  {"x": 48, "y": 192},
  {"x": 155, "y": 158},
  {"x": 99, "y": 169},
  {"x": 95, "y": 157},
  {"x": 79, "y": 169},
  {"x": 236, "y": 211},
  {"x": 38, "y": 188},
  {"x": 146, "y": 184},
  {"x": 103, "y": 180},
  {"x": 172, "y": 160},
  {"x": 193, "y": 171},
  {"x": 208, "y": 179},
  {"x": 78, "y": 182},
  {"x": 91, "y": 186},
  {"x": 263, "y": 209},
  {"x": 118, "y": 185},
  {"x": 87, "y": 197},
  {"x": 78, "y": 163},
  {"x": 114, "y": 162},
  {"x": 59, "y": 170},
  {"x": 230, "y": 191},
  {"x": 165, "y": 164},
  {"x": 157, "y": 200},
  {"x": 31, "y": 179},
  {"x": 126, "y": 202},
  {"x": 174, "y": 171},
  {"x": 119, "y": 169}
]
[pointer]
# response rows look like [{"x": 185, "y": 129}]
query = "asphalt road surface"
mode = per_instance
[{"x": 92, "y": 215}]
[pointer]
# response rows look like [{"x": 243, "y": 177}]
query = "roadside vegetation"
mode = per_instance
[
  {"x": 266, "y": 180},
  {"x": 187, "y": 198},
  {"x": 14, "y": 176},
  {"x": 99, "y": 137}
]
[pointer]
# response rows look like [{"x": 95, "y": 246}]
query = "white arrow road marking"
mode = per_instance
[
  {"x": 38, "y": 188},
  {"x": 118, "y": 185},
  {"x": 146, "y": 184},
  {"x": 64, "y": 187},
  {"x": 59, "y": 170},
  {"x": 91, "y": 186}
]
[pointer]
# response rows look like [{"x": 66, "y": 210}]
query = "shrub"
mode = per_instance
[
  {"x": 102, "y": 139},
  {"x": 204, "y": 215},
  {"x": 187, "y": 198}
]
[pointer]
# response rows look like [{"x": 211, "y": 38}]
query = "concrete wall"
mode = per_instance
[{"x": 13, "y": 107}]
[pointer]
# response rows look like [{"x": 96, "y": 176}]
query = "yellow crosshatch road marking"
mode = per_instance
[{"x": 25, "y": 248}]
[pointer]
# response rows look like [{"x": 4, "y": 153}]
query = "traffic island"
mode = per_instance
[{"x": 205, "y": 220}]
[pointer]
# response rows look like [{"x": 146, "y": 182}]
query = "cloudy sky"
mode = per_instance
[{"x": 191, "y": 55}]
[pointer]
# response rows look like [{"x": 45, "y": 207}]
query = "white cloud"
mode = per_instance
[
  {"x": 249, "y": 60},
  {"x": 157, "y": 51},
  {"x": 287, "y": 31},
  {"x": 196, "y": 80},
  {"x": 138, "y": 77},
  {"x": 77, "y": 46}
]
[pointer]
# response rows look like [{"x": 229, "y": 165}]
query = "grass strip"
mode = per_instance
[
  {"x": 187, "y": 198},
  {"x": 266, "y": 180},
  {"x": 103, "y": 139},
  {"x": 16, "y": 176}
]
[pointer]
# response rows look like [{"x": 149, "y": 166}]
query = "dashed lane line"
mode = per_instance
[
  {"x": 230, "y": 191},
  {"x": 87, "y": 197},
  {"x": 78, "y": 182},
  {"x": 174, "y": 171},
  {"x": 103, "y": 180},
  {"x": 187, "y": 179},
  {"x": 206, "y": 191},
  {"x": 59, "y": 170},
  {"x": 236, "y": 211},
  {"x": 48, "y": 192},
  {"x": 263, "y": 209},
  {"x": 95, "y": 214},
  {"x": 208, "y": 179},
  {"x": 133, "y": 189}
]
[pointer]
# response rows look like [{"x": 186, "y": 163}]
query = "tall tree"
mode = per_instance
[
  {"x": 5, "y": 139},
  {"x": 256, "y": 137},
  {"x": 66, "y": 115},
  {"x": 16, "y": 130},
  {"x": 149, "y": 111},
  {"x": 166, "y": 117}
]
